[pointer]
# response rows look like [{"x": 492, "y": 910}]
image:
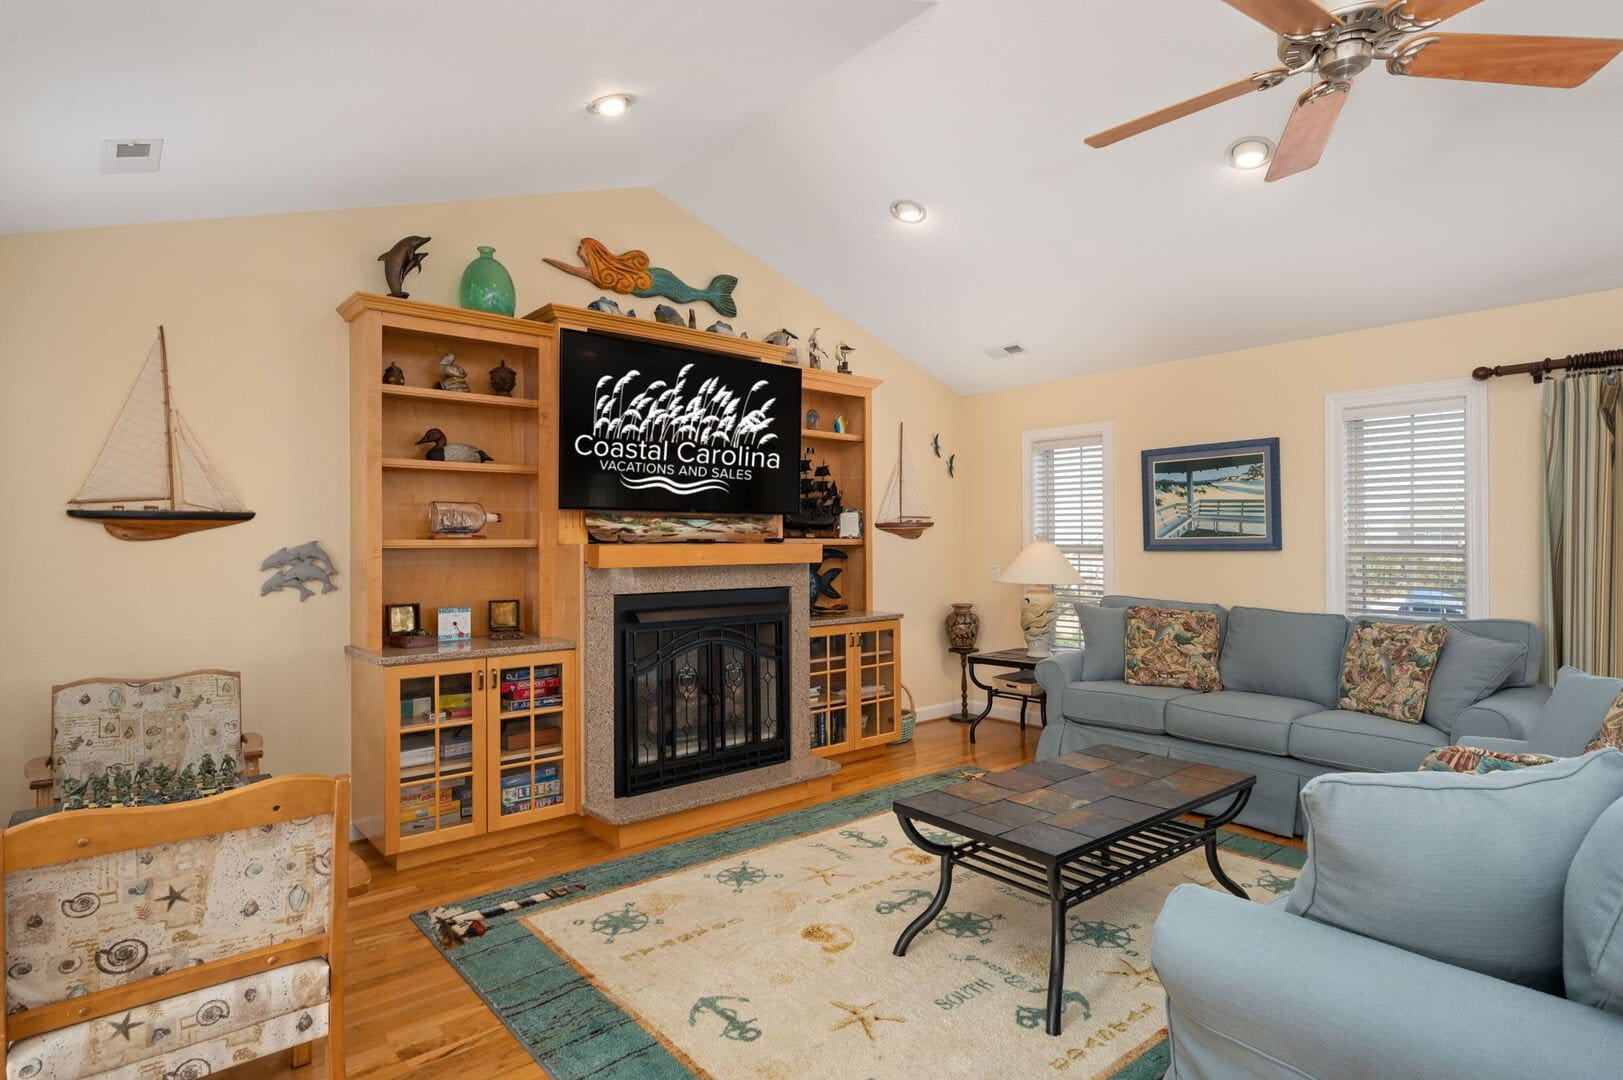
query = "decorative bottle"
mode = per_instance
[
  {"x": 486, "y": 285},
  {"x": 458, "y": 518}
]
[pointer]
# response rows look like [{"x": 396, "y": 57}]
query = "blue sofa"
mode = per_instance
[
  {"x": 1276, "y": 715},
  {"x": 1445, "y": 926}
]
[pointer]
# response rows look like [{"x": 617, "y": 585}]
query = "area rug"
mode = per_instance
[{"x": 764, "y": 952}]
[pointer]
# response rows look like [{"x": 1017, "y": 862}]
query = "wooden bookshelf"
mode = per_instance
[{"x": 401, "y": 804}]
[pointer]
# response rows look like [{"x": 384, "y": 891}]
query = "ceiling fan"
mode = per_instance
[{"x": 1337, "y": 46}]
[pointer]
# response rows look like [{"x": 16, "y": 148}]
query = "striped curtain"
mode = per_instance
[{"x": 1583, "y": 570}]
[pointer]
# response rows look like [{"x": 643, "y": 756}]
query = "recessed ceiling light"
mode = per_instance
[
  {"x": 1251, "y": 152},
  {"x": 611, "y": 105},
  {"x": 908, "y": 211}
]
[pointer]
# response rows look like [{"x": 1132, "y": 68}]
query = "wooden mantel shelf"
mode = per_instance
[{"x": 627, "y": 556}]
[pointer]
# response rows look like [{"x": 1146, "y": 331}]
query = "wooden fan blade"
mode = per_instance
[
  {"x": 1287, "y": 16},
  {"x": 1237, "y": 88},
  {"x": 1559, "y": 62},
  {"x": 1437, "y": 10},
  {"x": 1307, "y": 133}
]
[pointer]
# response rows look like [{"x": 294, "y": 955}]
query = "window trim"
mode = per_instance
[
  {"x": 1336, "y": 409},
  {"x": 1105, "y": 431}
]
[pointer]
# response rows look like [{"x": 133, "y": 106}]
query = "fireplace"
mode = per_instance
[{"x": 701, "y": 686}]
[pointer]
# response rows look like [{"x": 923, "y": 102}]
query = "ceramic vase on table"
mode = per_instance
[
  {"x": 487, "y": 286},
  {"x": 963, "y": 627}
]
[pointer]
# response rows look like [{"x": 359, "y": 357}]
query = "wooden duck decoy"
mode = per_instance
[{"x": 450, "y": 451}]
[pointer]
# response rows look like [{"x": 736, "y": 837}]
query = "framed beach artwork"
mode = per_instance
[{"x": 1217, "y": 497}]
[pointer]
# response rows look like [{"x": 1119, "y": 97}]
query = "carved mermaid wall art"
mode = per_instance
[{"x": 630, "y": 273}]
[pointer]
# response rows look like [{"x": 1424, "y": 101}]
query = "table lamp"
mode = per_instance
[{"x": 1039, "y": 567}]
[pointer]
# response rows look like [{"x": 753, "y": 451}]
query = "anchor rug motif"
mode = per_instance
[{"x": 772, "y": 960}]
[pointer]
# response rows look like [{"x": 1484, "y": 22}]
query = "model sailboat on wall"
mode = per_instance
[
  {"x": 902, "y": 511},
  {"x": 153, "y": 479}
]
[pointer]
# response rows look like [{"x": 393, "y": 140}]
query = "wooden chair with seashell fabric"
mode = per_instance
[
  {"x": 106, "y": 725},
  {"x": 177, "y": 940}
]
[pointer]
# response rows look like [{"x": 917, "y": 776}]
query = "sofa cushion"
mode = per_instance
[
  {"x": 1574, "y": 712},
  {"x": 1611, "y": 728},
  {"x": 1237, "y": 719},
  {"x": 1171, "y": 647},
  {"x": 1103, "y": 630},
  {"x": 1388, "y": 668},
  {"x": 1222, "y": 613},
  {"x": 1353, "y": 740},
  {"x": 1469, "y": 669},
  {"x": 1480, "y": 760},
  {"x": 1592, "y": 948},
  {"x": 1468, "y": 870},
  {"x": 206, "y": 1030},
  {"x": 1119, "y": 705},
  {"x": 1287, "y": 653},
  {"x": 1517, "y": 631}
]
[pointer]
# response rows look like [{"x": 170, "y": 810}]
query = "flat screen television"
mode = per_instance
[{"x": 663, "y": 429}]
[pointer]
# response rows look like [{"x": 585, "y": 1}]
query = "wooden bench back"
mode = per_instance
[{"x": 145, "y": 863}]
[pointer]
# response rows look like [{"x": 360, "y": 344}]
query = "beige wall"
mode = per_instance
[
  {"x": 1277, "y": 391},
  {"x": 259, "y": 360}
]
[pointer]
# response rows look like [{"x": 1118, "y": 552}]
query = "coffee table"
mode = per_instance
[{"x": 1069, "y": 828}]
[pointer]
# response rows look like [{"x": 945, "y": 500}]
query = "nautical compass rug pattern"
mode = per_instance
[{"x": 768, "y": 955}]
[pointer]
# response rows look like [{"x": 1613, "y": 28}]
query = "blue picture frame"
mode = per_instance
[{"x": 1213, "y": 497}]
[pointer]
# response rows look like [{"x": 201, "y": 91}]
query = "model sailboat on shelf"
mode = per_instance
[
  {"x": 902, "y": 511},
  {"x": 153, "y": 479}
]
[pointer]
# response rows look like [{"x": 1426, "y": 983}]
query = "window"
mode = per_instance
[
  {"x": 1406, "y": 491},
  {"x": 1067, "y": 496}
]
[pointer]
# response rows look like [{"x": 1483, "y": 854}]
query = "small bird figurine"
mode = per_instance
[
  {"x": 668, "y": 315},
  {"x": 935, "y": 444},
  {"x": 815, "y": 350},
  {"x": 453, "y": 376},
  {"x": 719, "y": 327},
  {"x": 843, "y": 351},
  {"x": 401, "y": 260},
  {"x": 782, "y": 336},
  {"x": 952, "y": 465},
  {"x": 450, "y": 451},
  {"x": 605, "y": 305}
]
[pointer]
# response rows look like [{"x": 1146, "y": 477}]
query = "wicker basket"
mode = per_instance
[{"x": 910, "y": 716}]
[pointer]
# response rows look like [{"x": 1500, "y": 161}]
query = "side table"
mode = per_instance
[{"x": 1018, "y": 660}]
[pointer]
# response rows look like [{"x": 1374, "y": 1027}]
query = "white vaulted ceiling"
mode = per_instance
[{"x": 790, "y": 126}]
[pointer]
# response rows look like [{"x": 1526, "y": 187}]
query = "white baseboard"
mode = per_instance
[{"x": 1002, "y": 710}]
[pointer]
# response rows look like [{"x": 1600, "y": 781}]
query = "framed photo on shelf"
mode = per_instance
[
  {"x": 504, "y": 620},
  {"x": 455, "y": 623},
  {"x": 403, "y": 627},
  {"x": 1213, "y": 497}
]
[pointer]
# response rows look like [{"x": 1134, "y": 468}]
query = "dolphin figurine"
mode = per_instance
[{"x": 401, "y": 260}]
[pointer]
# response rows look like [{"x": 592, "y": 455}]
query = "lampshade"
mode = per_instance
[{"x": 1041, "y": 563}]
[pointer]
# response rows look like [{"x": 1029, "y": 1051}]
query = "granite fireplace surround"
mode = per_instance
[{"x": 598, "y": 676}]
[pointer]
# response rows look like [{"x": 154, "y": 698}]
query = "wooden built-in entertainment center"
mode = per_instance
[{"x": 477, "y": 743}]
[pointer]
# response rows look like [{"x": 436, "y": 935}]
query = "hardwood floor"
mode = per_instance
[{"x": 410, "y": 1013}]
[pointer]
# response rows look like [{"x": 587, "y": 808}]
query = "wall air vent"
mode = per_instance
[
  {"x": 1003, "y": 352},
  {"x": 131, "y": 155}
]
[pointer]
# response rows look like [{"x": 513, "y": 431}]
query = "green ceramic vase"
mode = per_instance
[{"x": 486, "y": 284}]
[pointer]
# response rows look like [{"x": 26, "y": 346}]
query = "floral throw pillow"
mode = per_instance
[
  {"x": 1468, "y": 759},
  {"x": 1388, "y": 667},
  {"x": 1611, "y": 729},
  {"x": 1172, "y": 647}
]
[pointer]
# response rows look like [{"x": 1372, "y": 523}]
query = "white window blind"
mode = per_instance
[
  {"x": 1068, "y": 507},
  {"x": 1406, "y": 509}
]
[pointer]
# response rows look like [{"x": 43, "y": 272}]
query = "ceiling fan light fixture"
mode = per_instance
[
  {"x": 611, "y": 105},
  {"x": 1250, "y": 153},
  {"x": 907, "y": 211}
]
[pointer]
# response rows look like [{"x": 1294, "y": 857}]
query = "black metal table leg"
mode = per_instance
[
  {"x": 1215, "y": 822},
  {"x": 991, "y": 696},
  {"x": 1056, "y": 950},
  {"x": 947, "y": 858}
]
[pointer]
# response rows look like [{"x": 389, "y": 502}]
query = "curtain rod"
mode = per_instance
[{"x": 1539, "y": 369}]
